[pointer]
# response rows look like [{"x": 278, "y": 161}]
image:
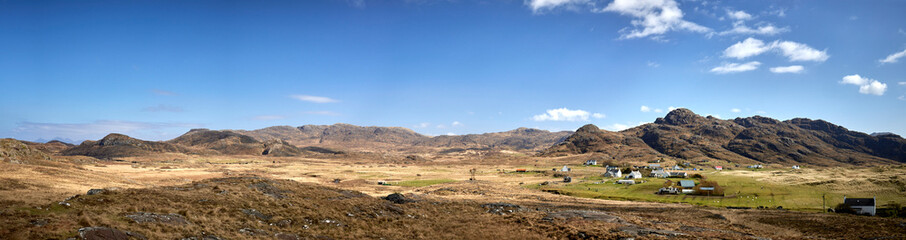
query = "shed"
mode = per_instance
[
  {"x": 861, "y": 205},
  {"x": 654, "y": 165},
  {"x": 678, "y": 175},
  {"x": 628, "y": 182},
  {"x": 565, "y": 169},
  {"x": 795, "y": 166},
  {"x": 591, "y": 162},
  {"x": 677, "y": 167}
]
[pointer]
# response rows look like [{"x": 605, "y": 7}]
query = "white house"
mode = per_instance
[
  {"x": 756, "y": 166},
  {"x": 614, "y": 173},
  {"x": 795, "y": 166},
  {"x": 591, "y": 162},
  {"x": 565, "y": 169},
  {"x": 634, "y": 175},
  {"x": 861, "y": 205}
]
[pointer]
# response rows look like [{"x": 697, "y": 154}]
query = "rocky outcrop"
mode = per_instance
[
  {"x": 119, "y": 145},
  {"x": 15, "y": 151},
  {"x": 685, "y": 135}
]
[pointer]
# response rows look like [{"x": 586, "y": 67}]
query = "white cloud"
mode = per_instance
[
  {"x": 903, "y": 98},
  {"x": 563, "y": 114},
  {"x": 657, "y": 110},
  {"x": 736, "y": 67},
  {"x": 800, "y": 52},
  {"x": 893, "y": 58},
  {"x": 742, "y": 29},
  {"x": 792, "y": 50},
  {"x": 541, "y": 5},
  {"x": 456, "y": 123},
  {"x": 788, "y": 69},
  {"x": 598, "y": 115},
  {"x": 314, "y": 99},
  {"x": 736, "y": 110},
  {"x": 441, "y": 126},
  {"x": 716, "y": 116},
  {"x": 268, "y": 117},
  {"x": 746, "y": 48},
  {"x": 902, "y": 83},
  {"x": 422, "y": 125},
  {"x": 739, "y": 15},
  {"x": 652, "y": 17},
  {"x": 99, "y": 129},
  {"x": 671, "y": 108},
  {"x": 854, "y": 79},
  {"x": 866, "y": 85},
  {"x": 653, "y": 64},
  {"x": 760, "y": 112},
  {"x": 645, "y": 109},
  {"x": 874, "y": 88},
  {"x": 617, "y": 127},
  {"x": 451, "y": 134}
]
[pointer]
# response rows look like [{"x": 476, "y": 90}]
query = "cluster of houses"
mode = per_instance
[{"x": 657, "y": 172}]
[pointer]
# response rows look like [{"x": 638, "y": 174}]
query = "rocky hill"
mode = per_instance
[
  {"x": 358, "y": 137},
  {"x": 15, "y": 151},
  {"x": 683, "y": 134},
  {"x": 51, "y": 147},
  {"x": 119, "y": 145}
]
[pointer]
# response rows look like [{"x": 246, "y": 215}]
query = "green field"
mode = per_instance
[
  {"x": 422, "y": 183},
  {"x": 739, "y": 192}
]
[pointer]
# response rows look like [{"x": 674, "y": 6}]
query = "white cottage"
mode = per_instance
[
  {"x": 861, "y": 205},
  {"x": 634, "y": 175}
]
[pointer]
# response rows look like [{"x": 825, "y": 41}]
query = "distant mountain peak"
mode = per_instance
[{"x": 680, "y": 116}]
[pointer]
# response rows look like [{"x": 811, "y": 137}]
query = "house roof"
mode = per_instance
[
  {"x": 686, "y": 183},
  {"x": 859, "y": 201}
]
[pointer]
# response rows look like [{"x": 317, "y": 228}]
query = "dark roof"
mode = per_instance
[{"x": 859, "y": 201}]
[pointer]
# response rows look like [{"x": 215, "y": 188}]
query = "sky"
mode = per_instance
[{"x": 79, "y": 70}]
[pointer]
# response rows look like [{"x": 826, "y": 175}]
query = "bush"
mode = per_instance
[{"x": 844, "y": 208}]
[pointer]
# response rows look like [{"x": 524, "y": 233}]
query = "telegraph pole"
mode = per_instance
[{"x": 824, "y": 202}]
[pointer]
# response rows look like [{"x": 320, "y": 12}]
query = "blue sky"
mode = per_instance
[{"x": 155, "y": 69}]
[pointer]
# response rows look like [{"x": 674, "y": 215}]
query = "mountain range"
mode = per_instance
[{"x": 681, "y": 135}]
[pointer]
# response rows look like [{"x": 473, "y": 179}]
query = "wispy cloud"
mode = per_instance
[
  {"x": 652, "y": 18},
  {"x": 740, "y": 27},
  {"x": 736, "y": 110},
  {"x": 422, "y": 125},
  {"x": 563, "y": 114},
  {"x": 314, "y": 99},
  {"x": 736, "y": 67},
  {"x": 788, "y": 69},
  {"x": 645, "y": 108},
  {"x": 794, "y": 51},
  {"x": 539, "y": 6},
  {"x": 163, "y": 108},
  {"x": 456, "y": 124},
  {"x": 97, "y": 129},
  {"x": 894, "y": 57},
  {"x": 866, "y": 85},
  {"x": 269, "y": 117},
  {"x": 163, "y": 92}
]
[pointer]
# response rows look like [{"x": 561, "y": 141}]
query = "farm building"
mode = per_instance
[
  {"x": 795, "y": 166},
  {"x": 591, "y": 162},
  {"x": 756, "y": 166},
  {"x": 615, "y": 173},
  {"x": 659, "y": 174},
  {"x": 677, "y": 175},
  {"x": 677, "y": 167},
  {"x": 627, "y": 182},
  {"x": 861, "y": 205},
  {"x": 565, "y": 169},
  {"x": 687, "y": 186},
  {"x": 634, "y": 175},
  {"x": 710, "y": 188},
  {"x": 718, "y": 168},
  {"x": 654, "y": 166}
]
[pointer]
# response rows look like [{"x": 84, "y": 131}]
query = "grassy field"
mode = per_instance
[
  {"x": 740, "y": 191},
  {"x": 422, "y": 183}
]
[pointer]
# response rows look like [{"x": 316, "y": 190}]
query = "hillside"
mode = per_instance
[
  {"x": 683, "y": 134},
  {"x": 119, "y": 145},
  {"x": 394, "y": 138},
  {"x": 51, "y": 147},
  {"x": 15, "y": 151}
]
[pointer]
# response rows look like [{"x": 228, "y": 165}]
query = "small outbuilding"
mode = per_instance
[
  {"x": 861, "y": 205},
  {"x": 718, "y": 168},
  {"x": 565, "y": 169},
  {"x": 627, "y": 182},
  {"x": 591, "y": 162}
]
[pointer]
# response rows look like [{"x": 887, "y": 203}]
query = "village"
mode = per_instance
[{"x": 685, "y": 181}]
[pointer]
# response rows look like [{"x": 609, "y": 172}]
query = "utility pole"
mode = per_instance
[{"x": 824, "y": 202}]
